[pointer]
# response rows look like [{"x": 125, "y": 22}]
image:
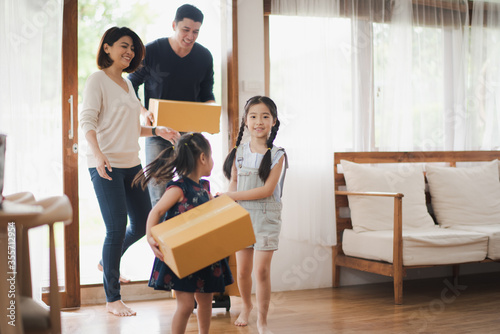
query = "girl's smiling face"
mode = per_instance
[
  {"x": 259, "y": 120},
  {"x": 121, "y": 52}
]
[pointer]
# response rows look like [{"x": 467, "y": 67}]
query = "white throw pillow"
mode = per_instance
[
  {"x": 465, "y": 196},
  {"x": 374, "y": 213}
]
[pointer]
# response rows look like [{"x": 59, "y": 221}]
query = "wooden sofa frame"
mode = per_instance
[{"x": 396, "y": 270}]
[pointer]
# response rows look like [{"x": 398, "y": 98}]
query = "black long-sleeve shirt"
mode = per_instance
[{"x": 167, "y": 76}]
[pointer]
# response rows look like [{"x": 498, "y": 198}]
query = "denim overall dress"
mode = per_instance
[{"x": 265, "y": 213}]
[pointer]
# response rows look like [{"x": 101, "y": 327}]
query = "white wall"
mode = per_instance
[
  {"x": 298, "y": 265},
  {"x": 250, "y": 50}
]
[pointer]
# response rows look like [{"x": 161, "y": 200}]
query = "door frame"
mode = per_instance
[{"x": 70, "y": 296}]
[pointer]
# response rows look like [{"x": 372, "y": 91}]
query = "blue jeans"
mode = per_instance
[
  {"x": 154, "y": 145},
  {"x": 117, "y": 200}
]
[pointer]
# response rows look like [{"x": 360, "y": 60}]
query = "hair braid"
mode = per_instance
[
  {"x": 240, "y": 133},
  {"x": 265, "y": 165},
  {"x": 228, "y": 163},
  {"x": 274, "y": 132}
]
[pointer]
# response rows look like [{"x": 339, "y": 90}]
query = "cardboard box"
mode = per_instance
[
  {"x": 203, "y": 235},
  {"x": 186, "y": 116}
]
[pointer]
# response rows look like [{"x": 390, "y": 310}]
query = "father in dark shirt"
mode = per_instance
[{"x": 175, "y": 68}]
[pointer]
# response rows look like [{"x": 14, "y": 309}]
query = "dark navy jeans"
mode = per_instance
[{"x": 117, "y": 200}]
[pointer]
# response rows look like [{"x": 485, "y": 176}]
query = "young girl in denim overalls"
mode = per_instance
[{"x": 256, "y": 175}]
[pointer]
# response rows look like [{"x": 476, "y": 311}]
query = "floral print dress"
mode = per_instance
[{"x": 213, "y": 278}]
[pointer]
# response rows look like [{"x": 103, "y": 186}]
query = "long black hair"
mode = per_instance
[
  {"x": 265, "y": 165},
  {"x": 175, "y": 160}
]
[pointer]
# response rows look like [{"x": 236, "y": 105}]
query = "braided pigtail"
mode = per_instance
[
  {"x": 228, "y": 163},
  {"x": 161, "y": 169},
  {"x": 265, "y": 165}
]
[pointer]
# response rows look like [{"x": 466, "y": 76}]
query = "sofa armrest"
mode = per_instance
[{"x": 397, "y": 251}]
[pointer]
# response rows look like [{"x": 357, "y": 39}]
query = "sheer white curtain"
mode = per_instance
[
  {"x": 392, "y": 79},
  {"x": 30, "y": 95},
  {"x": 358, "y": 75},
  {"x": 421, "y": 75},
  {"x": 482, "y": 128},
  {"x": 311, "y": 85}
]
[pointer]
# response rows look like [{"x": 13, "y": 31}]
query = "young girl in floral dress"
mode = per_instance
[{"x": 190, "y": 160}]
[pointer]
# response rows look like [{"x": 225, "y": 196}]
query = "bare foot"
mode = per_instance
[
  {"x": 243, "y": 317},
  {"x": 120, "y": 309},
  {"x": 123, "y": 279},
  {"x": 262, "y": 328}
]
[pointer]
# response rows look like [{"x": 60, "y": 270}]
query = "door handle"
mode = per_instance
[{"x": 70, "y": 101}]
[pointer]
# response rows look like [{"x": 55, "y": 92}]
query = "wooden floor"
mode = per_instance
[{"x": 471, "y": 305}]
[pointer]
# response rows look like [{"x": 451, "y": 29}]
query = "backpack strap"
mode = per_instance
[
  {"x": 275, "y": 150},
  {"x": 238, "y": 159}
]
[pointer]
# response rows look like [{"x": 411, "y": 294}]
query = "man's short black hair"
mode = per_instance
[{"x": 190, "y": 12}]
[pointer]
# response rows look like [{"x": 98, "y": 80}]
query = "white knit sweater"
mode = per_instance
[{"x": 114, "y": 114}]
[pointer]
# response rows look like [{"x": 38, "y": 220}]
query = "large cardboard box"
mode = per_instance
[
  {"x": 204, "y": 235},
  {"x": 186, "y": 116}
]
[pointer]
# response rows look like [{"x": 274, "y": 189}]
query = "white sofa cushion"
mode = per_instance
[
  {"x": 493, "y": 233},
  {"x": 373, "y": 213},
  {"x": 465, "y": 196},
  {"x": 427, "y": 246}
]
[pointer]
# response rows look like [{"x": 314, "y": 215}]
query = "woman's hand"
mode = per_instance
[
  {"x": 101, "y": 160},
  {"x": 155, "y": 247},
  {"x": 168, "y": 134},
  {"x": 101, "y": 163},
  {"x": 148, "y": 116}
]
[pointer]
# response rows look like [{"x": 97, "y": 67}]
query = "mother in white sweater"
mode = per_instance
[{"x": 110, "y": 120}]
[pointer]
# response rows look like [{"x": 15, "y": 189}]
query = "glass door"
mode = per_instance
[{"x": 150, "y": 20}]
